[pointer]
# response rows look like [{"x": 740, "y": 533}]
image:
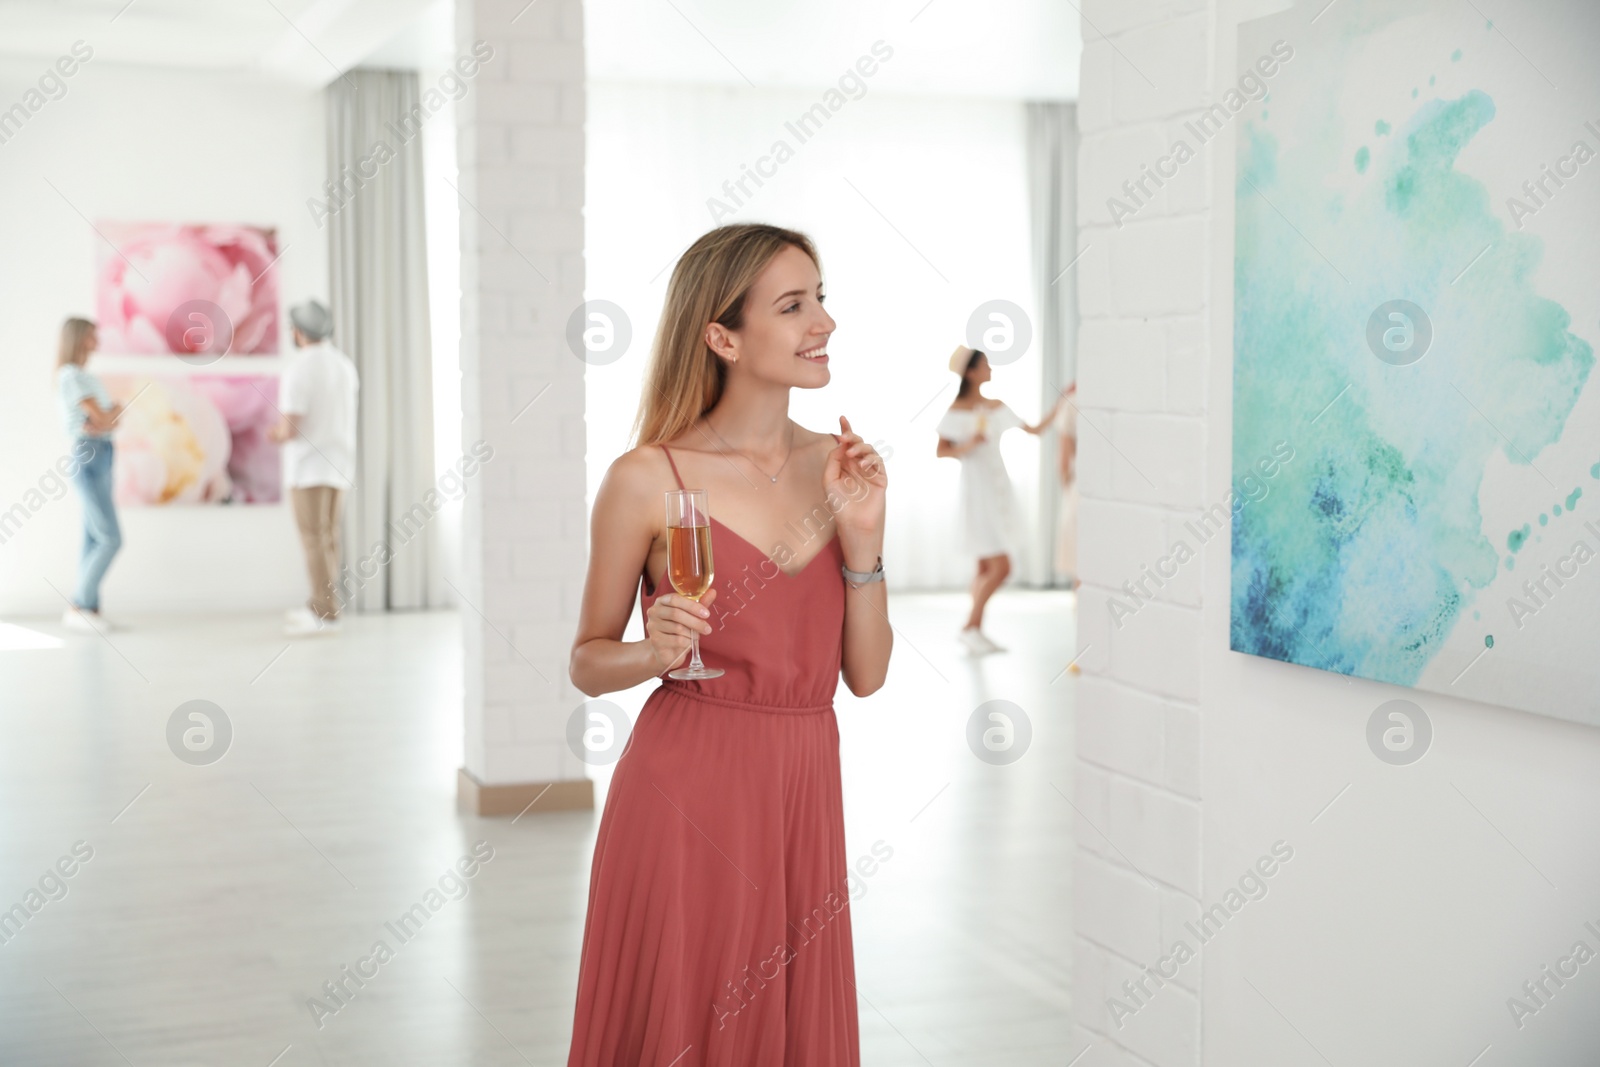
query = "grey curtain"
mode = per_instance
[
  {"x": 378, "y": 293},
  {"x": 1052, "y": 201}
]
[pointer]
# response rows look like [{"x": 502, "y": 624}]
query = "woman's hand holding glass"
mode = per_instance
[
  {"x": 672, "y": 622},
  {"x": 690, "y": 569}
]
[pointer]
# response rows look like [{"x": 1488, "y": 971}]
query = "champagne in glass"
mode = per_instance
[{"x": 689, "y": 564}]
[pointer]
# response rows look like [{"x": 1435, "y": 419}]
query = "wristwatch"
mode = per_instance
[{"x": 863, "y": 577}]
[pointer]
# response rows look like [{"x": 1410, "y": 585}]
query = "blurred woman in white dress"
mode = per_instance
[{"x": 990, "y": 527}]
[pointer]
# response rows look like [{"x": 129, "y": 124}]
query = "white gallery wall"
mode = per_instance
[
  {"x": 1418, "y": 899},
  {"x": 131, "y": 143},
  {"x": 441, "y": 208},
  {"x": 918, "y": 205}
]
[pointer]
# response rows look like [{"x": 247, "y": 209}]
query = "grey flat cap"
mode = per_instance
[{"x": 312, "y": 319}]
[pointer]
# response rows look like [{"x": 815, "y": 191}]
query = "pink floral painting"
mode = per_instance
[
  {"x": 196, "y": 439},
  {"x": 188, "y": 290}
]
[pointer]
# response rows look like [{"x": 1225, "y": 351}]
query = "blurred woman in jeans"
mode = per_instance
[{"x": 90, "y": 417}]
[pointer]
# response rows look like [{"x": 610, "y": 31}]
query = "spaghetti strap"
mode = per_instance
[{"x": 674, "y": 463}]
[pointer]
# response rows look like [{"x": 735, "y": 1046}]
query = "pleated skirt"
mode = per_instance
[{"x": 718, "y": 930}]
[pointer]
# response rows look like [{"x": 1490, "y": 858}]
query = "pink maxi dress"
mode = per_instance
[{"x": 718, "y": 932}]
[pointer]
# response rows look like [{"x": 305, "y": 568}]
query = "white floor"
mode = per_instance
[{"x": 219, "y": 898}]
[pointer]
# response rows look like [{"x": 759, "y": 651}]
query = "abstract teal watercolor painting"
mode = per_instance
[{"x": 1416, "y": 312}]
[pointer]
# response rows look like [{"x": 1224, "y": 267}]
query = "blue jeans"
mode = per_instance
[{"x": 102, "y": 537}]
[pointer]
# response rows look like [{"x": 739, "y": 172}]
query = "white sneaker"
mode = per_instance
[
  {"x": 85, "y": 622},
  {"x": 302, "y": 622},
  {"x": 990, "y": 645},
  {"x": 976, "y": 643}
]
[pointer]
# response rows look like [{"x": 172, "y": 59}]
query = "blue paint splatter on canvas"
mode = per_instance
[{"x": 1371, "y": 544}]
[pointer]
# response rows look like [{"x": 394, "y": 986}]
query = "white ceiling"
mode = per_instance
[
  {"x": 308, "y": 41},
  {"x": 1013, "y": 49}
]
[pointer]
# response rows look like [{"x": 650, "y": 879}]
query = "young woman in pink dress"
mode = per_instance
[{"x": 718, "y": 932}]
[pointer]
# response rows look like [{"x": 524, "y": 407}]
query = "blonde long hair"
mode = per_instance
[
  {"x": 709, "y": 284},
  {"x": 74, "y": 342}
]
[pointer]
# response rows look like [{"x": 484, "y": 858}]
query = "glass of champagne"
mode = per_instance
[{"x": 689, "y": 563}]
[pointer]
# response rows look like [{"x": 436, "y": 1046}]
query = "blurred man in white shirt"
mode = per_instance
[{"x": 318, "y": 433}]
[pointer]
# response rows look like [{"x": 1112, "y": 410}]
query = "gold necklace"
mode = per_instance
[{"x": 770, "y": 477}]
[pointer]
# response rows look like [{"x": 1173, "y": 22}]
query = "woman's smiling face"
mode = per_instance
[{"x": 784, "y": 338}]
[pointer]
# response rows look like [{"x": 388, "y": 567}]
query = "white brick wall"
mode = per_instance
[
  {"x": 1192, "y": 809},
  {"x": 1160, "y": 71},
  {"x": 521, "y": 180},
  {"x": 1142, "y": 352},
  {"x": 1115, "y": 16},
  {"x": 1136, "y": 379}
]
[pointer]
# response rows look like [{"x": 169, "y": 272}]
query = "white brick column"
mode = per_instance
[
  {"x": 1142, "y": 352},
  {"x": 521, "y": 147}
]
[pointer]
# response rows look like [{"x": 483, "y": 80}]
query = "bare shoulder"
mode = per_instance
[
  {"x": 639, "y": 459},
  {"x": 808, "y": 439},
  {"x": 635, "y": 476}
]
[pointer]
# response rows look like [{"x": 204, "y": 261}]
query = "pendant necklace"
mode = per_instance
[{"x": 770, "y": 477}]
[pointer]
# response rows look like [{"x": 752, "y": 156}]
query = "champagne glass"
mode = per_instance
[{"x": 689, "y": 563}]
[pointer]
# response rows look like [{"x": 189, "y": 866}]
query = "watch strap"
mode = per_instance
[{"x": 863, "y": 577}]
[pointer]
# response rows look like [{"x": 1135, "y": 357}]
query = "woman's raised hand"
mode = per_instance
[
  {"x": 669, "y": 623},
  {"x": 857, "y": 474}
]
